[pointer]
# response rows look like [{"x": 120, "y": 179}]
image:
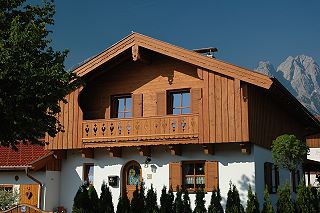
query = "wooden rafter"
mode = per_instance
[
  {"x": 208, "y": 149},
  {"x": 175, "y": 149},
  {"x": 87, "y": 153},
  {"x": 144, "y": 151},
  {"x": 115, "y": 152}
]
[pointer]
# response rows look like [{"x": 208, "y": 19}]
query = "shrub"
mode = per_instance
[
  {"x": 134, "y": 206},
  {"x": 81, "y": 202},
  {"x": 267, "y": 205},
  {"x": 215, "y": 203},
  {"x": 285, "y": 204},
  {"x": 94, "y": 199},
  {"x": 200, "y": 202},
  {"x": 8, "y": 199},
  {"x": 233, "y": 200},
  {"x": 151, "y": 201},
  {"x": 123, "y": 204},
  {"x": 305, "y": 198},
  {"x": 105, "y": 203},
  {"x": 186, "y": 202},
  {"x": 166, "y": 200},
  {"x": 178, "y": 205},
  {"x": 252, "y": 202}
]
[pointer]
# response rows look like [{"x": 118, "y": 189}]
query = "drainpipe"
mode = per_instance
[{"x": 37, "y": 181}]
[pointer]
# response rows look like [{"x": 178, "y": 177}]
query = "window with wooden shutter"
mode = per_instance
[
  {"x": 212, "y": 175},
  {"x": 161, "y": 103},
  {"x": 195, "y": 100},
  {"x": 178, "y": 102},
  {"x": 137, "y": 108},
  {"x": 175, "y": 175},
  {"x": 271, "y": 177}
]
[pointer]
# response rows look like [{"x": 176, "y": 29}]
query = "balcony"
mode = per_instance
[{"x": 169, "y": 127}]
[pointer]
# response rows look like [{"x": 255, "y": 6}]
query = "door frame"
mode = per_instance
[{"x": 125, "y": 172}]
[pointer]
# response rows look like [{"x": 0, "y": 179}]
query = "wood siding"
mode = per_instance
[
  {"x": 29, "y": 194},
  {"x": 313, "y": 141},
  {"x": 269, "y": 119}
]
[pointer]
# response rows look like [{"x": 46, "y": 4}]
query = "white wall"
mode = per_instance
[
  {"x": 313, "y": 155},
  {"x": 233, "y": 166},
  {"x": 51, "y": 190}
]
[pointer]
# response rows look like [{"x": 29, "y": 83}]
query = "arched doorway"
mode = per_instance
[{"x": 131, "y": 176}]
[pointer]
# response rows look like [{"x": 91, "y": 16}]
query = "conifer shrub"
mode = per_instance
[
  {"x": 267, "y": 205},
  {"x": 233, "y": 200},
  {"x": 134, "y": 206},
  {"x": 186, "y": 202},
  {"x": 170, "y": 199},
  {"x": 81, "y": 202},
  {"x": 94, "y": 199},
  {"x": 305, "y": 199},
  {"x": 285, "y": 204},
  {"x": 200, "y": 202},
  {"x": 8, "y": 199},
  {"x": 166, "y": 200},
  {"x": 252, "y": 202},
  {"x": 123, "y": 204},
  {"x": 178, "y": 204},
  {"x": 215, "y": 203},
  {"x": 105, "y": 204},
  {"x": 151, "y": 201}
]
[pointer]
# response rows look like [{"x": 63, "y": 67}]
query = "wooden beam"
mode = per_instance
[
  {"x": 245, "y": 148},
  {"x": 144, "y": 151},
  {"x": 115, "y": 152},
  {"x": 87, "y": 153},
  {"x": 139, "y": 55},
  {"x": 60, "y": 154},
  {"x": 175, "y": 149},
  {"x": 208, "y": 149}
]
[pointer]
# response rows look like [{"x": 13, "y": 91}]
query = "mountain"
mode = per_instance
[{"x": 301, "y": 76}]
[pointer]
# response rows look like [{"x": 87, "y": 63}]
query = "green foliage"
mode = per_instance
[
  {"x": 138, "y": 203},
  {"x": 81, "y": 202},
  {"x": 285, "y": 204},
  {"x": 252, "y": 202},
  {"x": 178, "y": 204},
  {"x": 186, "y": 202},
  {"x": 267, "y": 205},
  {"x": 32, "y": 76},
  {"x": 151, "y": 201},
  {"x": 105, "y": 203},
  {"x": 123, "y": 204},
  {"x": 166, "y": 200},
  {"x": 305, "y": 198},
  {"x": 134, "y": 206},
  {"x": 233, "y": 201},
  {"x": 288, "y": 152},
  {"x": 215, "y": 203},
  {"x": 94, "y": 199},
  {"x": 200, "y": 202},
  {"x": 8, "y": 199}
]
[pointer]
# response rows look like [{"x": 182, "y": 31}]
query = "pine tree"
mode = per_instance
[
  {"x": 200, "y": 202},
  {"x": 123, "y": 204},
  {"x": 285, "y": 204},
  {"x": 106, "y": 204},
  {"x": 94, "y": 199},
  {"x": 267, "y": 205},
  {"x": 215, "y": 203},
  {"x": 305, "y": 198},
  {"x": 178, "y": 205},
  {"x": 252, "y": 202},
  {"x": 151, "y": 201},
  {"x": 233, "y": 201},
  {"x": 186, "y": 202}
]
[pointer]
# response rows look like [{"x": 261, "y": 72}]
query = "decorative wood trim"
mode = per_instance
[
  {"x": 87, "y": 153},
  {"x": 115, "y": 152},
  {"x": 245, "y": 148},
  {"x": 208, "y": 149},
  {"x": 60, "y": 154},
  {"x": 144, "y": 151},
  {"x": 135, "y": 52},
  {"x": 175, "y": 149}
]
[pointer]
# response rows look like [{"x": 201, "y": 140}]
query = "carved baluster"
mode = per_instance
[
  {"x": 119, "y": 128},
  {"x": 183, "y": 123},
  {"x": 173, "y": 125},
  {"x": 103, "y": 129},
  {"x": 95, "y": 129},
  {"x": 128, "y": 128},
  {"x": 87, "y": 129},
  {"x": 111, "y": 128}
]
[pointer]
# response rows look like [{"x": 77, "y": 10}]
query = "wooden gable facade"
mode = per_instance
[{"x": 228, "y": 104}]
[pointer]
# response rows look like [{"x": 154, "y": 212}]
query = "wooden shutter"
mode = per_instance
[
  {"x": 137, "y": 105},
  {"x": 161, "y": 103},
  {"x": 268, "y": 176},
  {"x": 211, "y": 175},
  {"x": 195, "y": 100},
  {"x": 175, "y": 175}
]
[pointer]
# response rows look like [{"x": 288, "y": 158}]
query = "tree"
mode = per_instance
[
  {"x": 289, "y": 152},
  {"x": 123, "y": 204},
  {"x": 151, "y": 201},
  {"x": 305, "y": 198},
  {"x": 186, "y": 202},
  {"x": 267, "y": 205},
  {"x": 32, "y": 75},
  {"x": 94, "y": 199},
  {"x": 285, "y": 204},
  {"x": 233, "y": 200},
  {"x": 105, "y": 202},
  {"x": 178, "y": 205},
  {"x": 252, "y": 202},
  {"x": 215, "y": 203},
  {"x": 81, "y": 202},
  {"x": 200, "y": 202},
  {"x": 8, "y": 199}
]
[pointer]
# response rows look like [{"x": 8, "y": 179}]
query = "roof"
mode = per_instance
[
  {"x": 141, "y": 41},
  {"x": 26, "y": 154}
]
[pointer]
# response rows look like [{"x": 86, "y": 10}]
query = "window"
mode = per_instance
[
  {"x": 121, "y": 106},
  {"x": 179, "y": 102},
  {"x": 271, "y": 177},
  {"x": 6, "y": 187},
  {"x": 193, "y": 175},
  {"x": 88, "y": 173}
]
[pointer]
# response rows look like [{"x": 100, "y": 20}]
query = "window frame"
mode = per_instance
[
  {"x": 170, "y": 101},
  {"x": 85, "y": 172},
  {"x": 114, "y": 112},
  {"x": 274, "y": 177},
  {"x": 194, "y": 189}
]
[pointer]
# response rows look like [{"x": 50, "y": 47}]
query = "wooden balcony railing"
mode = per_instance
[{"x": 138, "y": 129}]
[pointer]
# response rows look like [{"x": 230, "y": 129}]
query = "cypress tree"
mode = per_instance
[
  {"x": 142, "y": 198},
  {"x": 267, "y": 205},
  {"x": 94, "y": 199},
  {"x": 178, "y": 205},
  {"x": 164, "y": 200},
  {"x": 123, "y": 204},
  {"x": 215, "y": 203},
  {"x": 305, "y": 198},
  {"x": 170, "y": 198},
  {"x": 186, "y": 202},
  {"x": 233, "y": 201},
  {"x": 106, "y": 204},
  {"x": 151, "y": 201},
  {"x": 285, "y": 204},
  {"x": 252, "y": 202},
  {"x": 200, "y": 202},
  {"x": 81, "y": 201}
]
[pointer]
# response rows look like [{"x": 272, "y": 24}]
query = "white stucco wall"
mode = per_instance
[
  {"x": 313, "y": 155},
  {"x": 51, "y": 190}
]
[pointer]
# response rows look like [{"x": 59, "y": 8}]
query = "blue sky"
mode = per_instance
[{"x": 244, "y": 31}]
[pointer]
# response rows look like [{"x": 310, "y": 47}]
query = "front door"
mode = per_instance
[{"x": 131, "y": 178}]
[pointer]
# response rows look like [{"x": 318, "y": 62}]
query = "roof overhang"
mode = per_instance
[{"x": 311, "y": 165}]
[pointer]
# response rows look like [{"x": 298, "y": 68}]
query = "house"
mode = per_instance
[
  {"x": 31, "y": 171},
  {"x": 159, "y": 113}
]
